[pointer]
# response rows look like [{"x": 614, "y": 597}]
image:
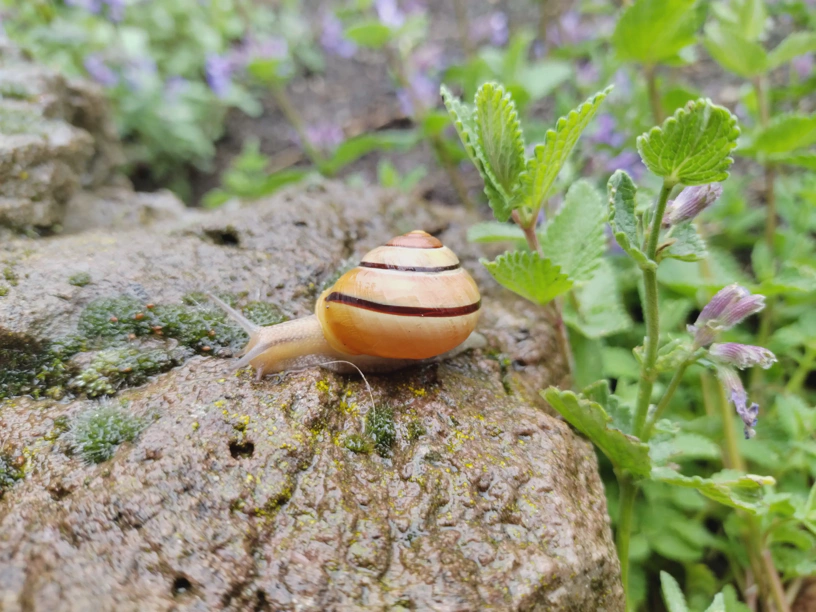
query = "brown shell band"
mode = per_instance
[
  {"x": 383, "y": 266},
  {"x": 404, "y": 311}
]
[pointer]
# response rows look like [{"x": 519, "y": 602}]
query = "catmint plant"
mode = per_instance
[{"x": 689, "y": 152}]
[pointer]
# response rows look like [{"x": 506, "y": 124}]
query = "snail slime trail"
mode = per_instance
[{"x": 407, "y": 301}]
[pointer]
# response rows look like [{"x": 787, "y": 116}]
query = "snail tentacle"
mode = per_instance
[{"x": 247, "y": 325}]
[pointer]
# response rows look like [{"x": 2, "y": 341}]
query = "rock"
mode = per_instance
[
  {"x": 121, "y": 208},
  {"x": 56, "y": 137},
  {"x": 461, "y": 492}
]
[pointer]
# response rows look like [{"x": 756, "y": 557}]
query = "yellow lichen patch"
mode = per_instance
[
  {"x": 196, "y": 425},
  {"x": 322, "y": 385},
  {"x": 417, "y": 392}
]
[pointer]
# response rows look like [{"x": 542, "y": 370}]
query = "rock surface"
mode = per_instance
[{"x": 244, "y": 495}]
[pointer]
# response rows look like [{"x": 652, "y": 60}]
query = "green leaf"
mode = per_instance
[
  {"x": 549, "y": 157},
  {"x": 672, "y": 594},
  {"x": 728, "y": 488},
  {"x": 624, "y": 451},
  {"x": 802, "y": 160},
  {"x": 464, "y": 120},
  {"x": 653, "y": 31},
  {"x": 683, "y": 447},
  {"x": 748, "y": 17},
  {"x": 692, "y": 146},
  {"x": 732, "y": 603},
  {"x": 353, "y": 149},
  {"x": 683, "y": 243},
  {"x": 791, "y": 278},
  {"x": 599, "y": 310},
  {"x": 574, "y": 238},
  {"x": 792, "y": 46},
  {"x": 786, "y": 133},
  {"x": 371, "y": 34},
  {"x": 529, "y": 275},
  {"x": 623, "y": 219},
  {"x": 493, "y": 231},
  {"x": 734, "y": 52},
  {"x": 718, "y": 605},
  {"x": 267, "y": 71},
  {"x": 500, "y": 137},
  {"x": 543, "y": 77}
]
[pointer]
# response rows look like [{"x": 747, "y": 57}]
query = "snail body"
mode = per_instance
[{"x": 407, "y": 301}]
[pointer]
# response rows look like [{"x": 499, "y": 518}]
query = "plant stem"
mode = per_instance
[
  {"x": 464, "y": 30},
  {"x": 664, "y": 401},
  {"x": 554, "y": 308},
  {"x": 777, "y": 591},
  {"x": 293, "y": 117},
  {"x": 794, "y": 385},
  {"x": 654, "y": 95},
  {"x": 647, "y": 377},
  {"x": 647, "y": 371},
  {"x": 628, "y": 494}
]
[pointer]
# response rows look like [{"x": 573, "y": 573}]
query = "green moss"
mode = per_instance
[
  {"x": 20, "y": 121},
  {"x": 120, "y": 367},
  {"x": 380, "y": 428},
  {"x": 116, "y": 317},
  {"x": 357, "y": 444},
  {"x": 204, "y": 329},
  {"x": 9, "y": 473},
  {"x": 79, "y": 280},
  {"x": 415, "y": 430},
  {"x": 14, "y": 91},
  {"x": 11, "y": 276},
  {"x": 4, "y": 291},
  {"x": 264, "y": 313},
  {"x": 35, "y": 368},
  {"x": 97, "y": 432}
]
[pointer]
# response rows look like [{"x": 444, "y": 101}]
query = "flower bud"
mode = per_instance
[
  {"x": 728, "y": 307},
  {"x": 731, "y": 382},
  {"x": 742, "y": 355},
  {"x": 690, "y": 203}
]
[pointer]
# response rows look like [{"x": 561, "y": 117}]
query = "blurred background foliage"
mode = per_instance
[{"x": 234, "y": 99}]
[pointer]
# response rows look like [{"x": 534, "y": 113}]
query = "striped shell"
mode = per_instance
[{"x": 409, "y": 299}]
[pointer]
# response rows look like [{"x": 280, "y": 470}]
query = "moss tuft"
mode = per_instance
[
  {"x": 357, "y": 444},
  {"x": 3, "y": 291},
  {"x": 80, "y": 280},
  {"x": 116, "y": 317},
  {"x": 119, "y": 367},
  {"x": 11, "y": 276},
  {"x": 97, "y": 432},
  {"x": 380, "y": 428},
  {"x": 264, "y": 313},
  {"x": 203, "y": 328},
  {"x": 9, "y": 473},
  {"x": 35, "y": 368},
  {"x": 415, "y": 430}
]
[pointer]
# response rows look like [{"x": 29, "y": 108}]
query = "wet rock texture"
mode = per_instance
[{"x": 243, "y": 495}]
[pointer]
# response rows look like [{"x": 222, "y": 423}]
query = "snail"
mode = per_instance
[{"x": 407, "y": 302}]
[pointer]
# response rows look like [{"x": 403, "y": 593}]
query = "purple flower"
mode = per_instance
[
  {"x": 332, "y": 38},
  {"x": 116, "y": 10},
  {"x": 606, "y": 134},
  {"x": 731, "y": 382},
  {"x": 728, "y": 307},
  {"x": 492, "y": 28},
  {"x": 423, "y": 90},
  {"x": 803, "y": 65},
  {"x": 138, "y": 71},
  {"x": 325, "y": 136},
  {"x": 99, "y": 71},
  {"x": 627, "y": 160},
  {"x": 92, "y": 6},
  {"x": 742, "y": 355},
  {"x": 219, "y": 70},
  {"x": 174, "y": 87},
  {"x": 389, "y": 13},
  {"x": 569, "y": 30},
  {"x": 690, "y": 203}
]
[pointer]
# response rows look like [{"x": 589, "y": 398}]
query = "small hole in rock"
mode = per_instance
[
  {"x": 261, "y": 602},
  {"x": 227, "y": 236},
  {"x": 181, "y": 585},
  {"x": 240, "y": 450}
]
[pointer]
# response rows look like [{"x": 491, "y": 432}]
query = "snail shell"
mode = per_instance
[{"x": 407, "y": 301}]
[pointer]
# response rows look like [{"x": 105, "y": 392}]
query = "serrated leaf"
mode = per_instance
[
  {"x": 574, "y": 238},
  {"x": 747, "y": 16},
  {"x": 549, "y": 157},
  {"x": 599, "y": 310},
  {"x": 672, "y": 594},
  {"x": 621, "y": 413},
  {"x": 792, "y": 46},
  {"x": 683, "y": 447},
  {"x": 500, "y": 136},
  {"x": 672, "y": 354},
  {"x": 732, "y": 603},
  {"x": 786, "y": 133},
  {"x": 464, "y": 120},
  {"x": 624, "y": 451},
  {"x": 653, "y": 31},
  {"x": 728, "y": 488},
  {"x": 493, "y": 231},
  {"x": 734, "y": 52},
  {"x": 692, "y": 146},
  {"x": 623, "y": 219},
  {"x": 683, "y": 243},
  {"x": 529, "y": 275}
]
